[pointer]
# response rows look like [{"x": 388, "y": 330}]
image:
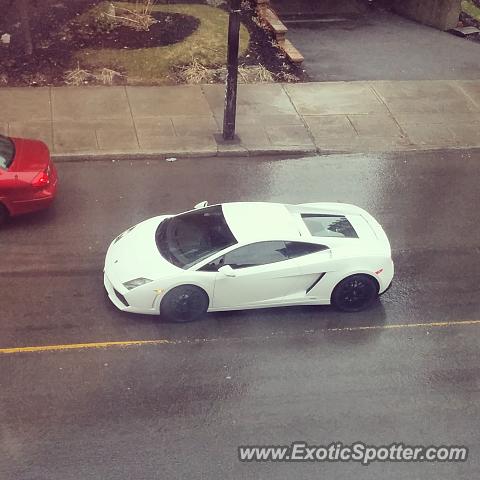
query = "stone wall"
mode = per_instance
[{"x": 442, "y": 14}]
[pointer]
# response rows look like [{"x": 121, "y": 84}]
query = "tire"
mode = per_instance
[
  {"x": 355, "y": 293},
  {"x": 3, "y": 214},
  {"x": 185, "y": 303}
]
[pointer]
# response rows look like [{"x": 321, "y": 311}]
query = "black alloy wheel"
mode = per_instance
[
  {"x": 184, "y": 304},
  {"x": 355, "y": 293}
]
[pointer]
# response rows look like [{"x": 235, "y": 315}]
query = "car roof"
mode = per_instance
[{"x": 260, "y": 221}]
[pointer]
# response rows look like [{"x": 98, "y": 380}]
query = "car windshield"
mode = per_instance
[
  {"x": 7, "y": 152},
  {"x": 189, "y": 238}
]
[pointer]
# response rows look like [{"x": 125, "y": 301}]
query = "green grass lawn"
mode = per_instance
[
  {"x": 208, "y": 44},
  {"x": 471, "y": 9}
]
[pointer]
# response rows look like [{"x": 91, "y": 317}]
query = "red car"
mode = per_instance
[{"x": 28, "y": 178}]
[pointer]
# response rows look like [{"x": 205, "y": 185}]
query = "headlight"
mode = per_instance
[{"x": 136, "y": 282}]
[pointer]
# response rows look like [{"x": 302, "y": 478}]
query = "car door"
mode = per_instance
[
  {"x": 262, "y": 275},
  {"x": 314, "y": 261},
  {"x": 8, "y": 186}
]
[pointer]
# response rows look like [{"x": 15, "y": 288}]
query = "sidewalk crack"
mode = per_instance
[
  {"x": 133, "y": 119},
  {"x": 96, "y": 138},
  {"x": 352, "y": 125},
  {"x": 173, "y": 127},
  {"x": 305, "y": 124},
  {"x": 380, "y": 99},
  {"x": 456, "y": 85}
]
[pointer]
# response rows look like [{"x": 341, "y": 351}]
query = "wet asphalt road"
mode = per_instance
[{"x": 179, "y": 410}]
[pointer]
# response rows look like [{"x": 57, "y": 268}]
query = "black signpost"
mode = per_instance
[{"x": 232, "y": 71}]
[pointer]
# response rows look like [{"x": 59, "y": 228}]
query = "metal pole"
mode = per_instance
[{"x": 232, "y": 71}]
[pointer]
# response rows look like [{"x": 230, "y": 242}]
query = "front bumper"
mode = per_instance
[{"x": 121, "y": 302}]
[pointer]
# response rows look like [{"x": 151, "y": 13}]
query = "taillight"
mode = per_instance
[{"x": 42, "y": 179}]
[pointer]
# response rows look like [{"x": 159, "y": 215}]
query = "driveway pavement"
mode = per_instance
[{"x": 379, "y": 45}]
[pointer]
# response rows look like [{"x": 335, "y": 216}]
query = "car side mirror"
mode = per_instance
[
  {"x": 228, "y": 271},
  {"x": 201, "y": 205}
]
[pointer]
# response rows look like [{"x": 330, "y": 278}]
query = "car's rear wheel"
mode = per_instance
[
  {"x": 185, "y": 303},
  {"x": 355, "y": 293},
  {"x": 3, "y": 213}
]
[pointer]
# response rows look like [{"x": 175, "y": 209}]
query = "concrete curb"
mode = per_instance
[
  {"x": 295, "y": 153},
  {"x": 107, "y": 156}
]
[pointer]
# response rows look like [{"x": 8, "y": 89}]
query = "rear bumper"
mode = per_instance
[
  {"x": 38, "y": 200},
  {"x": 388, "y": 288},
  {"x": 22, "y": 207}
]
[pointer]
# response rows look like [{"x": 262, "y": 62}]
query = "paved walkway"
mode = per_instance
[{"x": 290, "y": 118}]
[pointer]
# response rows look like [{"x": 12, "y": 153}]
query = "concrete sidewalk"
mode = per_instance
[{"x": 272, "y": 118}]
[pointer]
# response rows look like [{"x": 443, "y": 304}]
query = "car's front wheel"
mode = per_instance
[
  {"x": 355, "y": 293},
  {"x": 185, "y": 303}
]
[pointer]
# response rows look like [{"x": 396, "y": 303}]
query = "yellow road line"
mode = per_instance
[
  {"x": 163, "y": 341},
  {"x": 79, "y": 346},
  {"x": 407, "y": 325}
]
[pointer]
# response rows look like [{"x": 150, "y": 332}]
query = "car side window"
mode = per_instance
[
  {"x": 261, "y": 253},
  {"x": 299, "y": 249},
  {"x": 214, "y": 265}
]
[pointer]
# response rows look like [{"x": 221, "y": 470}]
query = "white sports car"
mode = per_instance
[{"x": 243, "y": 255}]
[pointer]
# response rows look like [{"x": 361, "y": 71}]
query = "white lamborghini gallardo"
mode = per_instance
[{"x": 245, "y": 255}]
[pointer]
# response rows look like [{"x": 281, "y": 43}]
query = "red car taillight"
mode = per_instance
[{"x": 42, "y": 179}]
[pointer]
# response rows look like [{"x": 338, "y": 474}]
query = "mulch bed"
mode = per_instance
[
  {"x": 169, "y": 29},
  {"x": 56, "y": 36},
  {"x": 262, "y": 51}
]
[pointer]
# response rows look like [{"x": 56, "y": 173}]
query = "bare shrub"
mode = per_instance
[
  {"x": 255, "y": 74},
  {"x": 107, "y": 76},
  {"x": 195, "y": 73},
  {"x": 77, "y": 76},
  {"x": 139, "y": 18},
  {"x": 215, "y": 3}
]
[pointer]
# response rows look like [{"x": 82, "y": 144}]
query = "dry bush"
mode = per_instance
[
  {"x": 80, "y": 76},
  {"x": 77, "y": 76},
  {"x": 195, "y": 73},
  {"x": 107, "y": 76},
  {"x": 215, "y": 3},
  {"x": 140, "y": 17},
  {"x": 255, "y": 74}
]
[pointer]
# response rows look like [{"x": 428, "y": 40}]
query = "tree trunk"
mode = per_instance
[{"x": 24, "y": 15}]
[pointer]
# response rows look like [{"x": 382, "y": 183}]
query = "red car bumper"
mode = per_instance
[{"x": 36, "y": 200}]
